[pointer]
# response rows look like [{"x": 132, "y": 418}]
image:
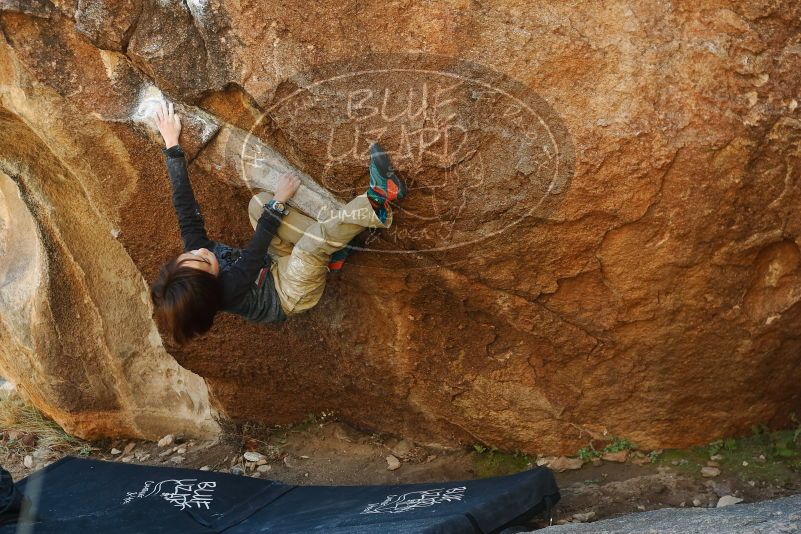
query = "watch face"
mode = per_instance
[{"x": 275, "y": 205}]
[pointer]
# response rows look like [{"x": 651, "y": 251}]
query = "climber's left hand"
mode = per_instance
[{"x": 168, "y": 123}]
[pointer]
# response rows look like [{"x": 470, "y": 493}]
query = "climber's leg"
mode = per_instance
[
  {"x": 300, "y": 277},
  {"x": 385, "y": 187},
  {"x": 292, "y": 226}
]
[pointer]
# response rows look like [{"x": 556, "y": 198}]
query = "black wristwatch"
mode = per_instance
[{"x": 277, "y": 206}]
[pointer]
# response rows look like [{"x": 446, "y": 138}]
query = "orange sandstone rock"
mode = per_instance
[{"x": 601, "y": 236}]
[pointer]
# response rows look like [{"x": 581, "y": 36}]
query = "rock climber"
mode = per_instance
[{"x": 210, "y": 277}]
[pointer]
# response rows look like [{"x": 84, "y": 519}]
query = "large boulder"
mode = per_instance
[{"x": 601, "y": 238}]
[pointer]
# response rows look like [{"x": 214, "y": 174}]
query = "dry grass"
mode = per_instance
[{"x": 24, "y": 428}]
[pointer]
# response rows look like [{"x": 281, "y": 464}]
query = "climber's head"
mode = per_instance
[
  {"x": 202, "y": 259},
  {"x": 187, "y": 294}
]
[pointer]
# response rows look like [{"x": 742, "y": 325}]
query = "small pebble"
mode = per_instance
[
  {"x": 167, "y": 440},
  {"x": 728, "y": 500},
  {"x": 584, "y": 517},
  {"x": 709, "y": 472},
  {"x": 392, "y": 463},
  {"x": 205, "y": 468},
  {"x": 253, "y": 456},
  {"x": 115, "y": 452}
]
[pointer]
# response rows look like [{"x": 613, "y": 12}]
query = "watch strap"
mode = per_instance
[{"x": 272, "y": 205}]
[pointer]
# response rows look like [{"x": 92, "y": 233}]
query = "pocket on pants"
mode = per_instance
[
  {"x": 287, "y": 299},
  {"x": 301, "y": 278}
]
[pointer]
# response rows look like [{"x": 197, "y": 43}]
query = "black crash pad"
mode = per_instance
[{"x": 89, "y": 496}]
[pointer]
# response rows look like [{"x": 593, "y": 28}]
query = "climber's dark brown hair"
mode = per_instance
[{"x": 186, "y": 300}]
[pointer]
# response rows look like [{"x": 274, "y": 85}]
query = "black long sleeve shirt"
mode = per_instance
[{"x": 248, "y": 289}]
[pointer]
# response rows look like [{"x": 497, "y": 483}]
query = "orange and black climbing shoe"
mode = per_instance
[
  {"x": 385, "y": 186},
  {"x": 337, "y": 259}
]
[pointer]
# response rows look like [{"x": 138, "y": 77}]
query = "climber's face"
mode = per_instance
[{"x": 202, "y": 259}]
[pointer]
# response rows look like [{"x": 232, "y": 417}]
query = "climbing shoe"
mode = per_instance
[
  {"x": 337, "y": 259},
  {"x": 385, "y": 186}
]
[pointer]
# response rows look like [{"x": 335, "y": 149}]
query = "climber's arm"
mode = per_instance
[
  {"x": 241, "y": 275},
  {"x": 193, "y": 230}
]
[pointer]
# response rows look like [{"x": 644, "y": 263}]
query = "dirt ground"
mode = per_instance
[{"x": 763, "y": 466}]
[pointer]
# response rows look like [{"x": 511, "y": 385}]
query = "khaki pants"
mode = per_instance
[{"x": 302, "y": 247}]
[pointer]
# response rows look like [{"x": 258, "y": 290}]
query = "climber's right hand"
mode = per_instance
[
  {"x": 287, "y": 185},
  {"x": 168, "y": 123}
]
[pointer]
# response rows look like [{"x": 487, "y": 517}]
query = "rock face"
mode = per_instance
[
  {"x": 601, "y": 237},
  {"x": 767, "y": 517}
]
